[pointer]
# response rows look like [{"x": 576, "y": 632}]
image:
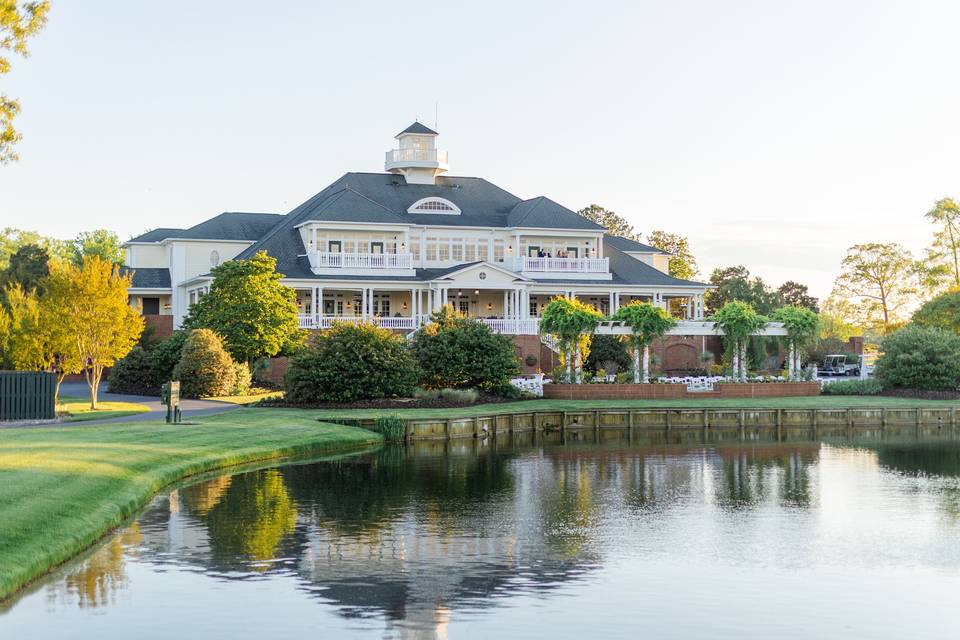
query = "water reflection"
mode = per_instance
[{"x": 406, "y": 539}]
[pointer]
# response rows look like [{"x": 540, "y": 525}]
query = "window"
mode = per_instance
[
  {"x": 498, "y": 250},
  {"x": 456, "y": 250},
  {"x": 335, "y": 246},
  {"x": 464, "y": 306},
  {"x": 415, "y": 250},
  {"x": 434, "y": 205},
  {"x": 376, "y": 247},
  {"x": 443, "y": 246},
  {"x": 431, "y": 250},
  {"x": 482, "y": 251},
  {"x": 151, "y": 306},
  {"x": 214, "y": 258},
  {"x": 533, "y": 307},
  {"x": 573, "y": 252},
  {"x": 470, "y": 252},
  {"x": 381, "y": 306},
  {"x": 533, "y": 251}
]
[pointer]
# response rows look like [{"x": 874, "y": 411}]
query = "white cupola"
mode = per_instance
[{"x": 417, "y": 158}]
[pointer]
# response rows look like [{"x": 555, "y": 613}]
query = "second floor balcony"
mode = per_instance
[
  {"x": 530, "y": 264},
  {"x": 374, "y": 261}
]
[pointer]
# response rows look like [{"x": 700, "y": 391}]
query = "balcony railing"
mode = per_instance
[
  {"x": 563, "y": 265},
  {"x": 525, "y": 326},
  {"x": 337, "y": 260},
  {"x": 416, "y": 155}
]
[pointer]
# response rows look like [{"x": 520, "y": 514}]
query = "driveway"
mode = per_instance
[{"x": 189, "y": 408}]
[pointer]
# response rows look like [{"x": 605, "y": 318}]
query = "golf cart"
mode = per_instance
[{"x": 837, "y": 365}]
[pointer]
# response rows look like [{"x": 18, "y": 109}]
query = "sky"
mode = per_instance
[{"x": 771, "y": 134}]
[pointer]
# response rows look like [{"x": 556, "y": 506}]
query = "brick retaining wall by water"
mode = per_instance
[{"x": 678, "y": 391}]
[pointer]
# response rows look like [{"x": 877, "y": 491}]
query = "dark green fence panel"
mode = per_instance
[{"x": 27, "y": 395}]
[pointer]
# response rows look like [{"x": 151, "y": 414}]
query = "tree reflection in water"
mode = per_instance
[{"x": 411, "y": 535}]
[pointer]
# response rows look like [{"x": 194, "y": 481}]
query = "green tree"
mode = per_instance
[
  {"x": 735, "y": 283},
  {"x": 11, "y": 240},
  {"x": 803, "y": 330},
  {"x": 920, "y": 358},
  {"x": 647, "y": 323},
  {"x": 681, "y": 264},
  {"x": 249, "y": 306},
  {"x": 572, "y": 322},
  {"x": 615, "y": 224},
  {"x": 19, "y": 21},
  {"x": 29, "y": 266},
  {"x": 205, "y": 367},
  {"x": 607, "y": 352},
  {"x": 945, "y": 250},
  {"x": 738, "y": 320},
  {"x": 100, "y": 243},
  {"x": 456, "y": 351},
  {"x": 880, "y": 280},
  {"x": 942, "y": 312},
  {"x": 794, "y": 294},
  {"x": 351, "y": 362},
  {"x": 91, "y": 305}
]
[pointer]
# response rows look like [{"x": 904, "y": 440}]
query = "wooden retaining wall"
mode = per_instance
[{"x": 783, "y": 424}]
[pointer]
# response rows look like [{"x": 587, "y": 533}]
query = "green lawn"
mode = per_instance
[
  {"x": 78, "y": 409},
  {"x": 62, "y": 488},
  {"x": 812, "y": 402}
]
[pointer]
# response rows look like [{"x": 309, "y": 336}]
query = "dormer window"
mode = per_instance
[{"x": 434, "y": 205}]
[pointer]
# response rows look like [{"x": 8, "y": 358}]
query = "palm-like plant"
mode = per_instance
[
  {"x": 738, "y": 320},
  {"x": 803, "y": 329},
  {"x": 569, "y": 319},
  {"x": 647, "y": 323}
]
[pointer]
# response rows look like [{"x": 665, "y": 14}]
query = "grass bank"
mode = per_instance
[
  {"x": 78, "y": 409},
  {"x": 811, "y": 402},
  {"x": 62, "y": 489}
]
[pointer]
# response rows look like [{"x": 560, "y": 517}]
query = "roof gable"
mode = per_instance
[
  {"x": 542, "y": 212},
  {"x": 418, "y": 128}
]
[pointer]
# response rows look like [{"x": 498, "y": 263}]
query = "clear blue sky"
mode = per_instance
[{"x": 773, "y": 134}]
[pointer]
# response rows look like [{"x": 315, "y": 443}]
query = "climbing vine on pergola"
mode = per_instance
[
  {"x": 647, "y": 323},
  {"x": 738, "y": 320},
  {"x": 569, "y": 320},
  {"x": 803, "y": 330}
]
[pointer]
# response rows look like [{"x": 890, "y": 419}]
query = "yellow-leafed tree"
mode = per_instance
[{"x": 92, "y": 306}]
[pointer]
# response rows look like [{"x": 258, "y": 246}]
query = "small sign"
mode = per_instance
[{"x": 171, "y": 397}]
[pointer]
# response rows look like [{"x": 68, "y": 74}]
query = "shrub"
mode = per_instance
[
  {"x": 393, "y": 428},
  {"x": 943, "y": 312},
  {"x": 426, "y": 394},
  {"x": 920, "y": 358},
  {"x": 455, "y": 351},
  {"x": 205, "y": 367},
  {"x": 463, "y": 396},
  {"x": 608, "y": 352},
  {"x": 133, "y": 374},
  {"x": 244, "y": 378},
  {"x": 870, "y": 387},
  {"x": 505, "y": 390},
  {"x": 349, "y": 363},
  {"x": 166, "y": 355},
  {"x": 623, "y": 377}
]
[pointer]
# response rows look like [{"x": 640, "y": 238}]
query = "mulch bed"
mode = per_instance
[
  {"x": 921, "y": 394},
  {"x": 388, "y": 403}
]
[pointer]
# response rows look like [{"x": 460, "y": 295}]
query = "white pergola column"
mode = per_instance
[
  {"x": 506, "y": 304},
  {"x": 610, "y": 305}
]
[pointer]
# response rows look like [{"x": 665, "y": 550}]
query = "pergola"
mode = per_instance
[{"x": 689, "y": 328}]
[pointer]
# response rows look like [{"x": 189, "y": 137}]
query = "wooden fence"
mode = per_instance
[{"x": 27, "y": 395}]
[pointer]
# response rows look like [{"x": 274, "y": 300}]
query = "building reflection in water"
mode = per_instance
[{"x": 412, "y": 535}]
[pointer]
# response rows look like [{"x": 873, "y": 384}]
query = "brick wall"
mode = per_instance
[
  {"x": 161, "y": 327},
  {"x": 277, "y": 367},
  {"x": 677, "y": 391}
]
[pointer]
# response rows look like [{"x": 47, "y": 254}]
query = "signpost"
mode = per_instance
[{"x": 171, "y": 397}]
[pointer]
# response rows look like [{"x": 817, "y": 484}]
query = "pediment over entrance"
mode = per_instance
[{"x": 482, "y": 275}]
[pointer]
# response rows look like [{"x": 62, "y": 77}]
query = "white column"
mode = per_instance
[
  {"x": 319, "y": 308},
  {"x": 600, "y": 247},
  {"x": 363, "y": 303},
  {"x": 313, "y": 304},
  {"x": 611, "y": 303},
  {"x": 506, "y": 304}
]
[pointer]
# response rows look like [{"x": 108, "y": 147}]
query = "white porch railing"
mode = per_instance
[
  {"x": 523, "y": 327},
  {"x": 563, "y": 265},
  {"x": 336, "y": 260},
  {"x": 527, "y": 326}
]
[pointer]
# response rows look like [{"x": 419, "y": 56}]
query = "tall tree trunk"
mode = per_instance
[
  {"x": 569, "y": 353},
  {"x": 56, "y": 387},
  {"x": 93, "y": 375},
  {"x": 636, "y": 363},
  {"x": 743, "y": 361},
  {"x": 646, "y": 363}
]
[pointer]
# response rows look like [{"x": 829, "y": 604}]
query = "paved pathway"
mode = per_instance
[{"x": 189, "y": 408}]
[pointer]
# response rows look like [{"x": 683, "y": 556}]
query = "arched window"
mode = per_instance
[
  {"x": 434, "y": 205},
  {"x": 214, "y": 258}
]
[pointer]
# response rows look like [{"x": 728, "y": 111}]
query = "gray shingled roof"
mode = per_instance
[
  {"x": 156, "y": 235},
  {"x": 625, "y": 244},
  {"x": 628, "y": 270},
  {"x": 149, "y": 277},
  {"x": 417, "y": 127},
  {"x": 544, "y": 212},
  {"x": 230, "y": 225}
]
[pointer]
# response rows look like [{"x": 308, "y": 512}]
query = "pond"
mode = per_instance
[{"x": 829, "y": 539}]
